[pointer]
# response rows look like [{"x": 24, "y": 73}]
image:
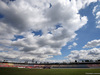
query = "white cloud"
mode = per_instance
[
  {"x": 83, "y": 3},
  {"x": 94, "y": 10},
  {"x": 93, "y": 43},
  {"x": 73, "y": 45},
  {"x": 21, "y": 17},
  {"x": 96, "y": 13},
  {"x": 92, "y": 54},
  {"x": 98, "y": 24},
  {"x": 98, "y": 19}
]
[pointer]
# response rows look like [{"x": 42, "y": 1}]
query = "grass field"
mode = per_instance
[{"x": 16, "y": 71}]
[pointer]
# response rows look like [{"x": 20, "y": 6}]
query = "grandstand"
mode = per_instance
[{"x": 49, "y": 66}]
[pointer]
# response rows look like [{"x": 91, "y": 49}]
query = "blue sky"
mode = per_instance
[{"x": 49, "y": 31}]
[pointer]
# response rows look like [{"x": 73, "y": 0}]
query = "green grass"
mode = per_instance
[{"x": 16, "y": 71}]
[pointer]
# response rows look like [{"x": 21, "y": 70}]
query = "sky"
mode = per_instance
[{"x": 49, "y": 30}]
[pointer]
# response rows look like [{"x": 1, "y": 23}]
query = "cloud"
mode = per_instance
[
  {"x": 9, "y": 55},
  {"x": 73, "y": 45},
  {"x": 96, "y": 13},
  {"x": 93, "y": 43},
  {"x": 92, "y": 54},
  {"x": 6, "y": 32},
  {"x": 81, "y": 4},
  {"x": 21, "y": 17},
  {"x": 98, "y": 19},
  {"x": 94, "y": 10}
]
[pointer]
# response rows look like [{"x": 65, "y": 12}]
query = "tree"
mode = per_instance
[
  {"x": 26, "y": 62},
  {"x": 82, "y": 60},
  {"x": 32, "y": 60},
  {"x": 87, "y": 61},
  {"x": 36, "y": 62},
  {"x": 76, "y": 61}
]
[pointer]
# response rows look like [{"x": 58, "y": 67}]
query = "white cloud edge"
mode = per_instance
[{"x": 92, "y": 43}]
